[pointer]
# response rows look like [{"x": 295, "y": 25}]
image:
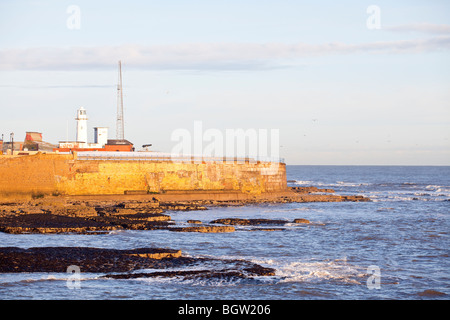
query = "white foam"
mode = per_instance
[
  {"x": 43, "y": 277},
  {"x": 303, "y": 182},
  {"x": 446, "y": 191},
  {"x": 331, "y": 184},
  {"x": 349, "y": 184},
  {"x": 307, "y": 271}
]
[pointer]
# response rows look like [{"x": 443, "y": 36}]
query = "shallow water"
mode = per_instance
[{"x": 402, "y": 236}]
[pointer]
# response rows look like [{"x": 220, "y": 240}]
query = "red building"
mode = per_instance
[
  {"x": 119, "y": 145},
  {"x": 111, "y": 145}
]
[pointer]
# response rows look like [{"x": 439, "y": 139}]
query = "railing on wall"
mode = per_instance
[{"x": 160, "y": 156}]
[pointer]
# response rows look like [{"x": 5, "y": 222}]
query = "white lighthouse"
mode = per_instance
[
  {"x": 81, "y": 143},
  {"x": 81, "y": 125}
]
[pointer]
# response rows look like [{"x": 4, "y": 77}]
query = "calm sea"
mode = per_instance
[{"x": 395, "y": 247}]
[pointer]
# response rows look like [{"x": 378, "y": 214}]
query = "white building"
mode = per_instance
[
  {"x": 81, "y": 125},
  {"x": 100, "y": 134}
]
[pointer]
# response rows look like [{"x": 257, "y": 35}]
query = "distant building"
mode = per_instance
[
  {"x": 81, "y": 125},
  {"x": 33, "y": 136},
  {"x": 101, "y": 142},
  {"x": 16, "y": 146},
  {"x": 119, "y": 145},
  {"x": 101, "y": 136},
  {"x": 33, "y": 142}
]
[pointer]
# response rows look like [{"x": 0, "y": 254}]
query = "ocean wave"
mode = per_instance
[
  {"x": 311, "y": 271},
  {"x": 330, "y": 184},
  {"x": 387, "y": 191},
  {"x": 407, "y": 195},
  {"x": 9, "y": 280},
  {"x": 284, "y": 210},
  {"x": 386, "y": 209},
  {"x": 212, "y": 276},
  {"x": 380, "y": 186},
  {"x": 437, "y": 188},
  {"x": 302, "y": 181},
  {"x": 225, "y": 281},
  {"x": 352, "y": 184}
]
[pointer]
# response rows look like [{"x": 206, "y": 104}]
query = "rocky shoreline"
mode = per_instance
[
  {"x": 96, "y": 215},
  {"x": 101, "y": 215}
]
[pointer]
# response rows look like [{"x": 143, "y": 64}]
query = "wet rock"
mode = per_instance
[
  {"x": 194, "y": 221},
  {"x": 31, "y": 210},
  {"x": 311, "y": 190},
  {"x": 184, "y": 205},
  {"x": 121, "y": 211},
  {"x": 79, "y": 211},
  {"x": 142, "y": 221},
  {"x": 355, "y": 198},
  {"x": 267, "y": 229},
  {"x": 50, "y": 223},
  {"x": 431, "y": 293},
  {"x": 141, "y": 205},
  {"x": 144, "y": 217},
  {"x": 185, "y": 274},
  {"x": 301, "y": 221},
  {"x": 155, "y": 253},
  {"x": 204, "y": 229},
  {"x": 225, "y": 274},
  {"x": 57, "y": 259},
  {"x": 260, "y": 271},
  {"x": 123, "y": 264},
  {"x": 222, "y": 275},
  {"x": 248, "y": 222}
]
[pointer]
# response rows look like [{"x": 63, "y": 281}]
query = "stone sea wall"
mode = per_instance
[{"x": 59, "y": 174}]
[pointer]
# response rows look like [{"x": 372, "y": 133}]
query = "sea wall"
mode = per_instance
[{"x": 67, "y": 175}]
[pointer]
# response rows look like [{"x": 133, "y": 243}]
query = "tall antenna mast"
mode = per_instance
[{"x": 120, "y": 123}]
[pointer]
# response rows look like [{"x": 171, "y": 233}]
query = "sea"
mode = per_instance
[{"x": 395, "y": 247}]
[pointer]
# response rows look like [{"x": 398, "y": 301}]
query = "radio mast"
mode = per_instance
[{"x": 120, "y": 123}]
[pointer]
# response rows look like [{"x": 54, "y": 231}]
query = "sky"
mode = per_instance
[{"x": 343, "y": 82}]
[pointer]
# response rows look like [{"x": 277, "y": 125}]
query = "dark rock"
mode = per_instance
[
  {"x": 301, "y": 221},
  {"x": 267, "y": 229},
  {"x": 204, "y": 229},
  {"x": 310, "y": 190},
  {"x": 126, "y": 262},
  {"x": 57, "y": 259},
  {"x": 51, "y": 223},
  {"x": 260, "y": 271},
  {"x": 227, "y": 274},
  {"x": 194, "y": 221},
  {"x": 431, "y": 293},
  {"x": 249, "y": 222},
  {"x": 355, "y": 198}
]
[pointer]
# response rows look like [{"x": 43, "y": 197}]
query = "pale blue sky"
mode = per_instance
[{"x": 338, "y": 92}]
